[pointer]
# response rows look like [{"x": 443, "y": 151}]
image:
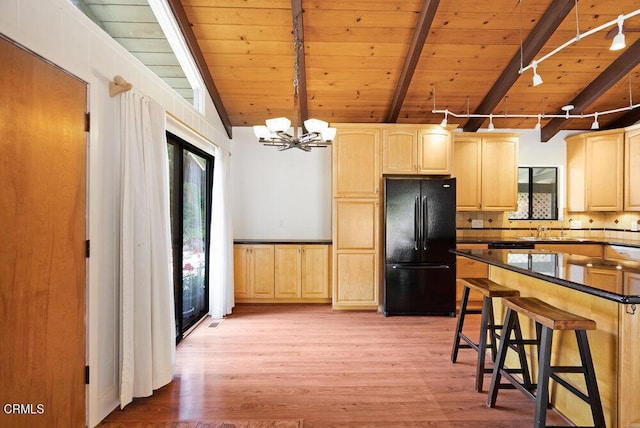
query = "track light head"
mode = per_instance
[
  {"x": 537, "y": 127},
  {"x": 595, "y": 124},
  {"x": 537, "y": 80},
  {"x": 444, "y": 121},
  {"x": 619, "y": 40},
  {"x": 491, "y": 127}
]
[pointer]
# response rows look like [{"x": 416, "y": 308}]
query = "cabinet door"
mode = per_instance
[
  {"x": 500, "y": 173},
  {"x": 241, "y": 271},
  {"x": 356, "y": 281},
  {"x": 632, "y": 171},
  {"x": 315, "y": 271},
  {"x": 576, "y": 173},
  {"x": 434, "y": 151},
  {"x": 356, "y": 153},
  {"x": 604, "y": 171},
  {"x": 356, "y": 224},
  {"x": 287, "y": 271},
  {"x": 262, "y": 271},
  {"x": 467, "y": 170},
  {"x": 356, "y": 253},
  {"x": 399, "y": 151}
]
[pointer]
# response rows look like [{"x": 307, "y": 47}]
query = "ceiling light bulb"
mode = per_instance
[
  {"x": 595, "y": 124},
  {"x": 537, "y": 80},
  {"x": 328, "y": 134},
  {"x": 278, "y": 124},
  {"x": 262, "y": 132},
  {"x": 444, "y": 121},
  {"x": 315, "y": 125},
  {"x": 491, "y": 127},
  {"x": 619, "y": 41}
]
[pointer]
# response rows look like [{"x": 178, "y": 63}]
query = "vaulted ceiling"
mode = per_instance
[{"x": 375, "y": 61}]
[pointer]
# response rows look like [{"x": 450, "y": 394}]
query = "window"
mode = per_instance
[
  {"x": 190, "y": 184},
  {"x": 537, "y": 194}
]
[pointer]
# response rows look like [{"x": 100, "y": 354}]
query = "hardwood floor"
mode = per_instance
[{"x": 274, "y": 364}]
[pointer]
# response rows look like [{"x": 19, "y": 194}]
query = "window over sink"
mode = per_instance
[{"x": 537, "y": 194}]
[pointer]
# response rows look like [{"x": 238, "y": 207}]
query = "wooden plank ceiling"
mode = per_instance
[{"x": 371, "y": 61}]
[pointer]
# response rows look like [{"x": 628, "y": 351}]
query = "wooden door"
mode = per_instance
[
  {"x": 399, "y": 151},
  {"x": 632, "y": 171},
  {"x": 315, "y": 271},
  {"x": 287, "y": 271},
  {"x": 435, "y": 155},
  {"x": 355, "y": 163},
  {"x": 500, "y": 172},
  {"x": 262, "y": 259},
  {"x": 42, "y": 231},
  {"x": 240, "y": 271},
  {"x": 604, "y": 170},
  {"x": 467, "y": 170}
]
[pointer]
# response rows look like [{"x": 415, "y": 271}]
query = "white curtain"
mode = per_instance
[
  {"x": 147, "y": 326},
  {"x": 221, "y": 261}
]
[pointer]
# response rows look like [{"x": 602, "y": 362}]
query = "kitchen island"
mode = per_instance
[{"x": 606, "y": 290}]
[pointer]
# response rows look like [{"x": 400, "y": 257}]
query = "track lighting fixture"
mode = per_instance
[
  {"x": 491, "y": 127},
  {"x": 618, "y": 41},
  {"x": 537, "y": 127},
  {"x": 595, "y": 124},
  {"x": 537, "y": 80}
]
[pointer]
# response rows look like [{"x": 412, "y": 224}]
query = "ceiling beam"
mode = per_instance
[
  {"x": 298, "y": 37},
  {"x": 190, "y": 38},
  {"x": 618, "y": 69},
  {"x": 536, "y": 39},
  {"x": 425, "y": 19},
  {"x": 628, "y": 119}
]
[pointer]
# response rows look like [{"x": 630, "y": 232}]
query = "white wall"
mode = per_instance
[
  {"x": 287, "y": 195},
  {"x": 279, "y": 194},
  {"x": 55, "y": 30}
]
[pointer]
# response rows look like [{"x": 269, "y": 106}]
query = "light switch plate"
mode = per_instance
[
  {"x": 477, "y": 224},
  {"x": 575, "y": 224}
]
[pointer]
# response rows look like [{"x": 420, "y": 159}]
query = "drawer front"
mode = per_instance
[{"x": 467, "y": 268}]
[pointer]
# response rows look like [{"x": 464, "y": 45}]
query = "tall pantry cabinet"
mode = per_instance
[{"x": 356, "y": 183}]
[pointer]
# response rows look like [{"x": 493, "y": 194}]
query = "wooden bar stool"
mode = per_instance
[
  {"x": 489, "y": 290},
  {"x": 548, "y": 319}
]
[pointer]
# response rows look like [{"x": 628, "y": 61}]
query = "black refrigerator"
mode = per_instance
[{"x": 419, "y": 231}]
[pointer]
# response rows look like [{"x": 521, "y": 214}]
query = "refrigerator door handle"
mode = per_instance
[
  {"x": 416, "y": 224},
  {"x": 425, "y": 223},
  {"x": 422, "y": 266}
]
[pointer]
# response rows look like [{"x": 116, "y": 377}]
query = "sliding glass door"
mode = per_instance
[{"x": 191, "y": 181}]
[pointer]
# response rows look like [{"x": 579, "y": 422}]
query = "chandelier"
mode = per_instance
[{"x": 276, "y": 132}]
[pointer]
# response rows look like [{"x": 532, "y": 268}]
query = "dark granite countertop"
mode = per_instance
[
  {"x": 571, "y": 241},
  {"x": 567, "y": 270},
  {"x": 283, "y": 241}
]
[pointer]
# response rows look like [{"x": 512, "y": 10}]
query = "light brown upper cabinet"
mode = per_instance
[
  {"x": 425, "y": 150},
  {"x": 595, "y": 171},
  {"x": 632, "y": 169},
  {"x": 486, "y": 168},
  {"x": 356, "y": 154}
]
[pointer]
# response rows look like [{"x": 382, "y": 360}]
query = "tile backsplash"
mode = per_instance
[{"x": 596, "y": 225}]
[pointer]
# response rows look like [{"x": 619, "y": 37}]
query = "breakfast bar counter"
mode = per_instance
[{"x": 605, "y": 289}]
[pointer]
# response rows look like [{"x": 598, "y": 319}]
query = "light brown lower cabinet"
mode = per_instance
[{"x": 292, "y": 273}]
